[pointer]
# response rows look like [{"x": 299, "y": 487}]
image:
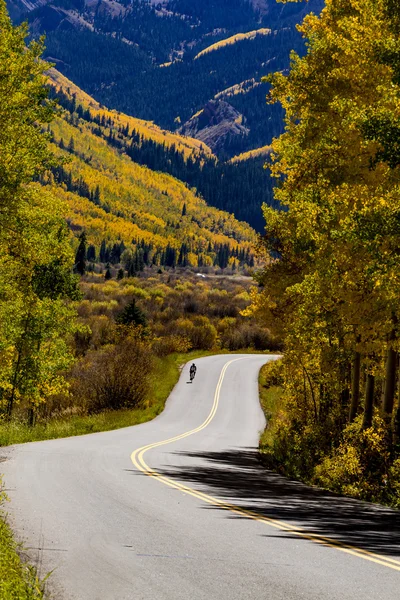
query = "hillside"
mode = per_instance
[
  {"x": 119, "y": 202},
  {"x": 239, "y": 187},
  {"x": 234, "y": 39},
  {"x": 139, "y": 57},
  {"x": 146, "y": 129}
]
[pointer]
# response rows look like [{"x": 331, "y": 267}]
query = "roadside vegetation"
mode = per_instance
[
  {"x": 132, "y": 336},
  {"x": 18, "y": 580},
  {"x": 333, "y": 293}
]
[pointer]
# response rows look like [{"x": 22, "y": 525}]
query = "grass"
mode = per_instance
[
  {"x": 18, "y": 580},
  {"x": 165, "y": 377},
  {"x": 270, "y": 399}
]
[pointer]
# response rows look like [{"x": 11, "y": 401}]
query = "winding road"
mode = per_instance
[{"x": 180, "y": 509}]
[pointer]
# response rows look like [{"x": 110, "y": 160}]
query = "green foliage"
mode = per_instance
[
  {"x": 35, "y": 274},
  {"x": 80, "y": 257},
  {"x": 132, "y": 315},
  {"x": 24, "y": 150}
]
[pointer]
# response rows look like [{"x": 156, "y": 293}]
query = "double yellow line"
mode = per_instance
[{"x": 137, "y": 458}]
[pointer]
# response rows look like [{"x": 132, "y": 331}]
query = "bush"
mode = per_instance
[
  {"x": 272, "y": 374},
  {"x": 360, "y": 466},
  {"x": 114, "y": 377},
  {"x": 246, "y": 335},
  {"x": 170, "y": 345}
]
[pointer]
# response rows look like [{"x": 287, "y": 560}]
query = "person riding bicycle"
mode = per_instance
[{"x": 193, "y": 370}]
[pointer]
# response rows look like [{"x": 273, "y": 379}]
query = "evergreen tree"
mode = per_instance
[
  {"x": 80, "y": 257},
  {"x": 108, "y": 274},
  {"x": 91, "y": 253},
  {"x": 132, "y": 315},
  {"x": 103, "y": 248}
]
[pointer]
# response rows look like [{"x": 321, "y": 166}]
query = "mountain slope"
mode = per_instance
[
  {"x": 147, "y": 129},
  {"x": 140, "y": 57},
  {"x": 117, "y": 200},
  {"x": 240, "y": 187}
]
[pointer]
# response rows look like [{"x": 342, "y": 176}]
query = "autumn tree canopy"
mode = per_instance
[{"x": 332, "y": 288}]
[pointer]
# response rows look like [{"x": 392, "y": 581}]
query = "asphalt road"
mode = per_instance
[{"x": 119, "y": 516}]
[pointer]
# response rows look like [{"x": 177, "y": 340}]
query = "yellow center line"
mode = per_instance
[{"x": 137, "y": 458}]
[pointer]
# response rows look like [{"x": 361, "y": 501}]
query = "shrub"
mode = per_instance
[
  {"x": 272, "y": 374},
  {"x": 360, "y": 466},
  {"x": 171, "y": 344},
  {"x": 114, "y": 377}
]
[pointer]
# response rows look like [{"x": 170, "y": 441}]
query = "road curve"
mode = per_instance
[{"x": 180, "y": 509}]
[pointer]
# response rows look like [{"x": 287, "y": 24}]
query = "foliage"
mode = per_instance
[
  {"x": 360, "y": 465},
  {"x": 18, "y": 581},
  {"x": 35, "y": 274},
  {"x": 116, "y": 200},
  {"x": 132, "y": 315},
  {"x": 332, "y": 287},
  {"x": 115, "y": 377},
  {"x": 233, "y": 40}
]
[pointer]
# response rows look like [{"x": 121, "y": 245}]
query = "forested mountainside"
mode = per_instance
[
  {"x": 240, "y": 186},
  {"x": 121, "y": 204},
  {"x": 150, "y": 59}
]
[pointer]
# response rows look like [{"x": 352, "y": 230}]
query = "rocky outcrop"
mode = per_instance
[{"x": 216, "y": 122}]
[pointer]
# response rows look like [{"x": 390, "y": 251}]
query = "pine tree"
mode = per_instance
[
  {"x": 80, "y": 257},
  {"x": 103, "y": 248},
  {"x": 108, "y": 274},
  {"x": 91, "y": 253},
  {"x": 132, "y": 315}
]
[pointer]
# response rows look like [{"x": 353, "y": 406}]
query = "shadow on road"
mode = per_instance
[{"x": 237, "y": 476}]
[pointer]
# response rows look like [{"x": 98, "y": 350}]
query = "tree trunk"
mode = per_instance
[
  {"x": 390, "y": 382},
  {"x": 31, "y": 417},
  {"x": 355, "y": 386},
  {"x": 10, "y": 404},
  {"x": 369, "y": 401},
  {"x": 397, "y": 417}
]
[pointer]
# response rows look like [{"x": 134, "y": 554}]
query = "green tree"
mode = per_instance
[
  {"x": 24, "y": 152},
  {"x": 132, "y": 315},
  {"x": 36, "y": 278},
  {"x": 80, "y": 257},
  {"x": 108, "y": 274}
]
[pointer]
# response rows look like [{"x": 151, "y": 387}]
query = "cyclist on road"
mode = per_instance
[{"x": 193, "y": 370}]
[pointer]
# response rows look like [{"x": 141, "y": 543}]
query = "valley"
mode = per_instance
[{"x": 153, "y": 60}]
